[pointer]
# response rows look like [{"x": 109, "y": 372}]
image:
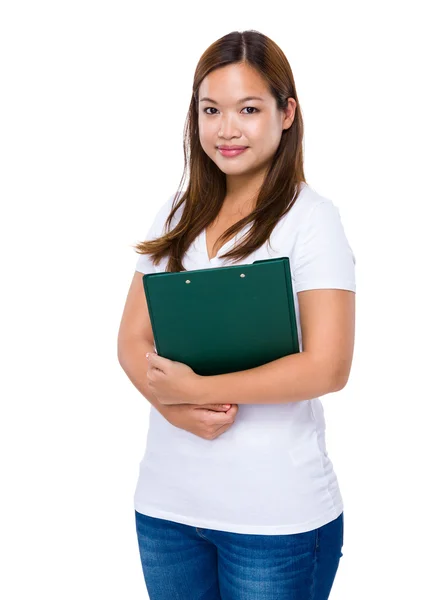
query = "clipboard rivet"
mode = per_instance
[
  {"x": 242, "y": 275},
  {"x": 187, "y": 280}
]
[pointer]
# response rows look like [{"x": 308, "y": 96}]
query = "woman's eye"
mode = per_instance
[
  {"x": 253, "y": 108},
  {"x": 213, "y": 108}
]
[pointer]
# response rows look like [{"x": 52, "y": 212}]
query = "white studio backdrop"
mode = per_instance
[{"x": 92, "y": 108}]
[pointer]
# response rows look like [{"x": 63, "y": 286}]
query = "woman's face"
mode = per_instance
[{"x": 232, "y": 121}]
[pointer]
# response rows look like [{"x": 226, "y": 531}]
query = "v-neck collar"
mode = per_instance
[{"x": 223, "y": 249}]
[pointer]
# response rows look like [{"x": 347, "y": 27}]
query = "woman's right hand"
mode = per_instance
[{"x": 207, "y": 421}]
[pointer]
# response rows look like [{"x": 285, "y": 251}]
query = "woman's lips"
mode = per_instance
[{"x": 230, "y": 153}]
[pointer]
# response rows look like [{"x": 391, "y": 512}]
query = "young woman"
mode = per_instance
[{"x": 240, "y": 500}]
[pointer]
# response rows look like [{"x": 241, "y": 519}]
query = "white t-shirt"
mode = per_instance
[{"x": 270, "y": 472}]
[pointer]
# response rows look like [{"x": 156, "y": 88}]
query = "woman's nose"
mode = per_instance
[{"x": 228, "y": 127}]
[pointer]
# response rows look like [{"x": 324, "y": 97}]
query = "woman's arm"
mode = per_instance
[{"x": 135, "y": 339}]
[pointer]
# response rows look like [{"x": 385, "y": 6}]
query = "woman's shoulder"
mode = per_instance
[
  {"x": 164, "y": 209},
  {"x": 309, "y": 198},
  {"x": 299, "y": 214}
]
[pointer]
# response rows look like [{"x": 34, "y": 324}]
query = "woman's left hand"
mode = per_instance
[{"x": 170, "y": 381}]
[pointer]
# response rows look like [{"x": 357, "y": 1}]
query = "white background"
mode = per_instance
[{"x": 93, "y": 102}]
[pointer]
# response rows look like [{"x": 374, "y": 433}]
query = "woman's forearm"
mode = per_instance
[{"x": 131, "y": 357}]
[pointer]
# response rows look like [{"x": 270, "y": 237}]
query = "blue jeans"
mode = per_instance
[{"x": 181, "y": 562}]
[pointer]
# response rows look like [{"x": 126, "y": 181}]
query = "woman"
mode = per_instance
[{"x": 240, "y": 500}]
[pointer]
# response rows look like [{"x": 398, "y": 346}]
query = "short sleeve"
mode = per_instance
[
  {"x": 144, "y": 263},
  {"x": 323, "y": 257}
]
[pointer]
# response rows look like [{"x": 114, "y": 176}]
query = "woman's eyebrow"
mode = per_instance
[{"x": 239, "y": 102}]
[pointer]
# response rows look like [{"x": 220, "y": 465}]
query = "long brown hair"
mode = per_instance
[{"x": 206, "y": 190}]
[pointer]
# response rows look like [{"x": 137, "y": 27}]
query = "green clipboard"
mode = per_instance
[{"x": 224, "y": 319}]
